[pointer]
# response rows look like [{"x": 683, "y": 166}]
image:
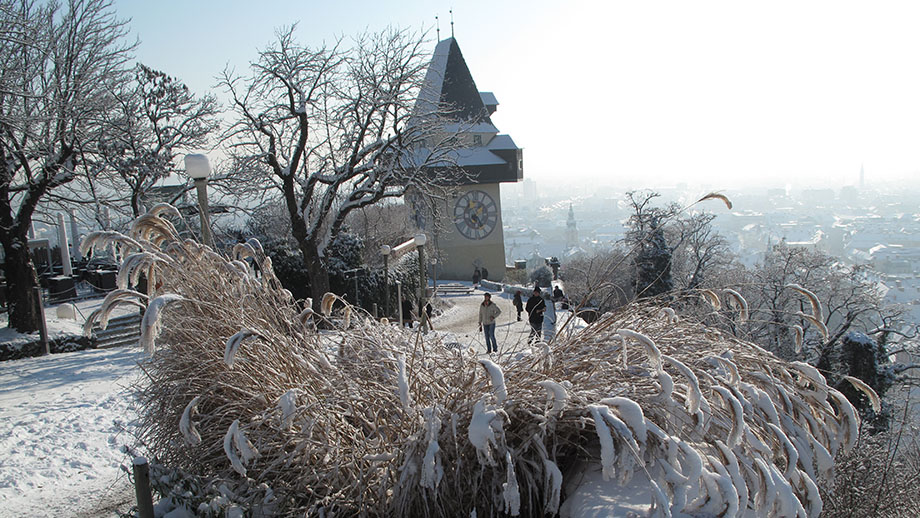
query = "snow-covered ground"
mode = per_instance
[{"x": 63, "y": 421}]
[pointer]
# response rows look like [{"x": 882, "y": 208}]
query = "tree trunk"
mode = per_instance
[
  {"x": 20, "y": 281},
  {"x": 319, "y": 275}
]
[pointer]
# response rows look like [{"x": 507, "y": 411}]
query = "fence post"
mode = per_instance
[
  {"x": 142, "y": 488},
  {"x": 43, "y": 328}
]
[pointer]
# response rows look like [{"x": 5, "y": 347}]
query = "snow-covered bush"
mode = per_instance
[
  {"x": 603, "y": 280},
  {"x": 516, "y": 276},
  {"x": 373, "y": 420},
  {"x": 344, "y": 253},
  {"x": 287, "y": 262},
  {"x": 541, "y": 277},
  {"x": 879, "y": 477},
  {"x": 863, "y": 358}
]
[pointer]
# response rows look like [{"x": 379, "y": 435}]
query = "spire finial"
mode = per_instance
[
  {"x": 437, "y": 25},
  {"x": 451, "y": 23}
]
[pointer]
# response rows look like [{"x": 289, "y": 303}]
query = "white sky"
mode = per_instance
[{"x": 723, "y": 93}]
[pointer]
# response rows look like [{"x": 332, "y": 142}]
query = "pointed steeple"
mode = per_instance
[
  {"x": 450, "y": 83},
  {"x": 571, "y": 230}
]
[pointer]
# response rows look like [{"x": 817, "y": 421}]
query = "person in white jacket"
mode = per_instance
[
  {"x": 549, "y": 318},
  {"x": 488, "y": 312}
]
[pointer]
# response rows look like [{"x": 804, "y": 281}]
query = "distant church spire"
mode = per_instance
[
  {"x": 571, "y": 230},
  {"x": 437, "y": 27},
  {"x": 451, "y": 23},
  {"x": 862, "y": 176}
]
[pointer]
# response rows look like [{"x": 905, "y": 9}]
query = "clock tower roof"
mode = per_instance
[
  {"x": 449, "y": 92},
  {"x": 450, "y": 83}
]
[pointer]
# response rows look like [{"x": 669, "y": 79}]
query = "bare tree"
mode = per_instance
[
  {"x": 650, "y": 251},
  {"x": 665, "y": 248},
  {"x": 154, "y": 118},
  {"x": 59, "y": 67},
  {"x": 850, "y": 299},
  {"x": 330, "y": 130},
  {"x": 381, "y": 224},
  {"x": 603, "y": 280},
  {"x": 700, "y": 250}
]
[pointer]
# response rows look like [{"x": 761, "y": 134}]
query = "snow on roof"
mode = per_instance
[
  {"x": 466, "y": 127},
  {"x": 477, "y": 156},
  {"x": 502, "y": 142},
  {"x": 464, "y": 157},
  {"x": 488, "y": 98},
  {"x": 434, "y": 78},
  {"x": 876, "y": 249}
]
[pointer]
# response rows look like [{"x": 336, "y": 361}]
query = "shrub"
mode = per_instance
[
  {"x": 880, "y": 477},
  {"x": 517, "y": 276},
  {"x": 542, "y": 277}
]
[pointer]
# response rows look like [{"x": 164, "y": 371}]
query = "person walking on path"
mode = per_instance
[
  {"x": 518, "y": 304},
  {"x": 428, "y": 311},
  {"x": 488, "y": 312},
  {"x": 549, "y": 317},
  {"x": 407, "y": 313},
  {"x": 535, "y": 308}
]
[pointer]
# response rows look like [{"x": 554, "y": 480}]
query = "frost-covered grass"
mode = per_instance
[
  {"x": 879, "y": 477},
  {"x": 244, "y": 393}
]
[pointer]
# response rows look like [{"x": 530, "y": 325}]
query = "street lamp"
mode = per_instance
[
  {"x": 385, "y": 252},
  {"x": 399, "y": 304},
  {"x": 198, "y": 169},
  {"x": 420, "y": 240}
]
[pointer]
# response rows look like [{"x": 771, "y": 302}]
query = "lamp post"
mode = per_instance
[
  {"x": 198, "y": 169},
  {"x": 420, "y": 240},
  {"x": 399, "y": 304},
  {"x": 385, "y": 252}
]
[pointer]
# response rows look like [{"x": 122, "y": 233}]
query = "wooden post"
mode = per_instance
[
  {"x": 43, "y": 328},
  {"x": 385, "y": 250},
  {"x": 423, "y": 293},
  {"x": 399, "y": 302},
  {"x": 142, "y": 488}
]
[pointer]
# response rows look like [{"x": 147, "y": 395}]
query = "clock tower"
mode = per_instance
[{"x": 469, "y": 231}]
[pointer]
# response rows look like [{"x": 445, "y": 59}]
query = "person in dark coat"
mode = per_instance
[
  {"x": 407, "y": 313},
  {"x": 518, "y": 304},
  {"x": 557, "y": 294},
  {"x": 535, "y": 308}
]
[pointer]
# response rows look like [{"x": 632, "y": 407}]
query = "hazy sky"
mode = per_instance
[{"x": 724, "y": 93}]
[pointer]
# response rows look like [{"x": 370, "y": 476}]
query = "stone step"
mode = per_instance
[
  {"x": 127, "y": 341},
  {"x": 454, "y": 289},
  {"x": 131, "y": 318},
  {"x": 110, "y": 334},
  {"x": 120, "y": 331}
]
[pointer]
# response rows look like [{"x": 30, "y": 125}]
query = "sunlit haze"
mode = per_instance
[{"x": 636, "y": 94}]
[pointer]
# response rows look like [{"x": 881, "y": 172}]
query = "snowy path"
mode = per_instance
[
  {"x": 461, "y": 321},
  {"x": 62, "y": 421}
]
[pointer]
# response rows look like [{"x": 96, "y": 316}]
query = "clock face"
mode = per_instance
[{"x": 475, "y": 214}]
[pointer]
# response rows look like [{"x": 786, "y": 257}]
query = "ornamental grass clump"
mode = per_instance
[{"x": 297, "y": 412}]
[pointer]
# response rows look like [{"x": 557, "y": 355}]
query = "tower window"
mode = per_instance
[{"x": 477, "y": 140}]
